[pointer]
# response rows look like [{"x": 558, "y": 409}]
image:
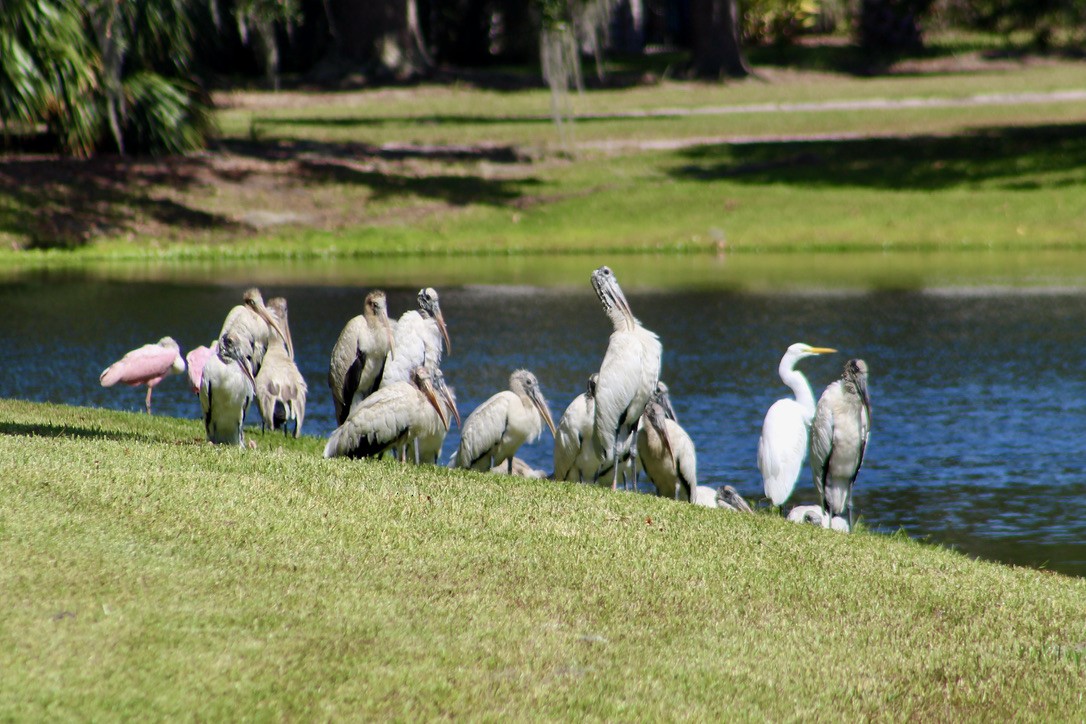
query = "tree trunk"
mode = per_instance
[
  {"x": 715, "y": 31},
  {"x": 384, "y": 36}
]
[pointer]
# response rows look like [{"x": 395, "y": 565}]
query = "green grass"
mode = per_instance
[{"x": 149, "y": 575}]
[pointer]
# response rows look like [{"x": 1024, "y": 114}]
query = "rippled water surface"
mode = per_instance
[{"x": 979, "y": 394}]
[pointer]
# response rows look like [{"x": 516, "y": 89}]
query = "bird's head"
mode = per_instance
[
  {"x": 423, "y": 380},
  {"x": 231, "y": 350},
  {"x": 611, "y": 297},
  {"x": 429, "y": 306},
  {"x": 375, "y": 307},
  {"x": 446, "y": 394},
  {"x": 855, "y": 378},
  {"x": 523, "y": 382}
]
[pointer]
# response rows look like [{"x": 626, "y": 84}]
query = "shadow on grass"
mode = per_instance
[
  {"x": 1010, "y": 158},
  {"x": 16, "y": 428}
]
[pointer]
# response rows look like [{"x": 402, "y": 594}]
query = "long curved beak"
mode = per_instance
[
  {"x": 861, "y": 388},
  {"x": 267, "y": 317},
  {"x": 444, "y": 331},
  {"x": 541, "y": 405},
  {"x": 821, "y": 350},
  {"x": 428, "y": 390},
  {"x": 448, "y": 398},
  {"x": 244, "y": 365}
]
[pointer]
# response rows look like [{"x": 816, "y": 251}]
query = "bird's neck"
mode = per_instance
[
  {"x": 800, "y": 388},
  {"x": 621, "y": 321}
]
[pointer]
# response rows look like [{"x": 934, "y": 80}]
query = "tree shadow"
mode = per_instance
[
  {"x": 16, "y": 428},
  {"x": 1011, "y": 158}
]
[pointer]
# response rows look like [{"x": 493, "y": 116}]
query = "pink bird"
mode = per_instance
[
  {"x": 197, "y": 358},
  {"x": 147, "y": 365}
]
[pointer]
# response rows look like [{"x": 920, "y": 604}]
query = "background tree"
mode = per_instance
[
  {"x": 382, "y": 37},
  {"x": 716, "y": 50}
]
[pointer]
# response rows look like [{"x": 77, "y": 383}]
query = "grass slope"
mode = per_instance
[{"x": 151, "y": 575}]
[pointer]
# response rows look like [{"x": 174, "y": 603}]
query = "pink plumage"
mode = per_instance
[
  {"x": 148, "y": 365},
  {"x": 196, "y": 359}
]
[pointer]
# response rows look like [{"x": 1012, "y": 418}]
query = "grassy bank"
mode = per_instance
[{"x": 152, "y": 575}]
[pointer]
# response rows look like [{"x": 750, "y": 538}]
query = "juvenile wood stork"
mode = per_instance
[
  {"x": 813, "y": 514},
  {"x": 417, "y": 339},
  {"x": 726, "y": 497},
  {"x": 666, "y": 454},
  {"x": 253, "y": 326},
  {"x": 146, "y": 365},
  {"x": 358, "y": 357},
  {"x": 226, "y": 389},
  {"x": 784, "y": 441},
  {"x": 574, "y": 455},
  {"x": 627, "y": 377},
  {"x": 494, "y": 432},
  {"x": 391, "y": 417},
  {"x": 280, "y": 388},
  {"x": 431, "y": 440},
  {"x": 519, "y": 468},
  {"x": 839, "y": 435}
]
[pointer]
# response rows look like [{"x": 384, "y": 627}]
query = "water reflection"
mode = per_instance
[{"x": 979, "y": 399}]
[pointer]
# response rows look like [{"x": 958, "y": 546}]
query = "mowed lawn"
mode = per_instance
[{"x": 150, "y": 575}]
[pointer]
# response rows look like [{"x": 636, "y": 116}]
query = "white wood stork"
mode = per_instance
[
  {"x": 433, "y": 437},
  {"x": 627, "y": 377},
  {"x": 358, "y": 358},
  {"x": 280, "y": 388},
  {"x": 726, "y": 497},
  {"x": 813, "y": 514},
  {"x": 253, "y": 326},
  {"x": 574, "y": 455},
  {"x": 783, "y": 444},
  {"x": 494, "y": 432},
  {"x": 666, "y": 454},
  {"x": 417, "y": 339},
  {"x": 226, "y": 389},
  {"x": 146, "y": 365},
  {"x": 390, "y": 418},
  {"x": 839, "y": 436}
]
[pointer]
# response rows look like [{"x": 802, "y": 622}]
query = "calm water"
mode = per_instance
[{"x": 979, "y": 395}]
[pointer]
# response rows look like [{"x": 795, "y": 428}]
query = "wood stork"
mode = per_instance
[
  {"x": 391, "y": 417},
  {"x": 783, "y": 444},
  {"x": 358, "y": 357},
  {"x": 726, "y": 497},
  {"x": 494, "y": 432},
  {"x": 280, "y": 388},
  {"x": 417, "y": 339},
  {"x": 253, "y": 325},
  {"x": 574, "y": 455},
  {"x": 147, "y": 365},
  {"x": 519, "y": 468},
  {"x": 813, "y": 514},
  {"x": 195, "y": 361},
  {"x": 666, "y": 454},
  {"x": 839, "y": 434},
  {"x": 627, "y": 377},
  {"x": 226, "y": 389},
  {"x": 433, "y": 437}
]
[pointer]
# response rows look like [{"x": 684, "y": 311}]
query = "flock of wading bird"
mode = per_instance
[{"x": 391, "y": 398}]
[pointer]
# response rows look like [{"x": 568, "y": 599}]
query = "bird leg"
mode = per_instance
[
  {"x": 147, "y": 402},
  {"x": 509, "y": 465}
]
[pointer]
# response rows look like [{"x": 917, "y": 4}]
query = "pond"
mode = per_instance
[{"x": 978, "y": 388}]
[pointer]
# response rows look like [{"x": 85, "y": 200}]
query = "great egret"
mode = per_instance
[
  {"x": 226, "y": 389},
  {"x": 839, "y": 435},
  {"x": 494, "y": 432},
  {"x": 627, "y": 377},
  {"x": 280, "y": 388},
  {"x": 147, "y": 365},
  {"x": 390, "y": 418},
  {"x": 783, "y": 444},
  {"x": 358, "y": 357}
]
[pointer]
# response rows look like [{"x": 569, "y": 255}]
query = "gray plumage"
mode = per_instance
[
  {"x": 280, "y": 388},
  {"x": 574, "y": 455},
  {"x": 226, "y": 389},
  {"x": 494, "y": 432},
  {"x": 253, "y": 326},
  {"x": 839, "y": 436},
  {"x": 358, "y": 358},
  {"x": 666, "y": 453}
]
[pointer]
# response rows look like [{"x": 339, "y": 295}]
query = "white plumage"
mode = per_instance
[
  {"x": 494, "y": 432},
  {"x": 574, "y": 455},
  {"x": 358, "y": 358},
  {"x": 253, "y": 326},
  {"x": 813, "y": 514},
  {"x": 432, "y": 438},
  {"x": 627, "y": 377},
  {"x": 418, "y": 338},
  {"x": 783, "y": 444},
  {"x": 725, "y": 498},
  {"x": 226, "y": 389},
  {"x": 839, "y": 438}
]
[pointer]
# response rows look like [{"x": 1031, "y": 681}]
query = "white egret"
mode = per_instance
[
  {"x": 358, "y": 358},
  {"x": 494, "y": 432},
  {"x": 783, "y": 444},
  {"x": 839, "y": 435},
  {"x": 627, "y": 377}
]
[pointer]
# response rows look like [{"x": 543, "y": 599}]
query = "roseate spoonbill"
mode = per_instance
[
  {"x": 391, "y": 417},
  {"x": 813, "y": 514},
  {"x": 725, "y": 497},
  {"x": 417, "y": 339},
  {"x": 839, "y": 434},
  {"x": 226, "y": 389},
  {"x": 253, "y": 325},
  {"x": 147, "y": 365},
  {"x": 494, "y": 432},
  {"x": 783, "y": 445},
  {"x": 196, "y": 359},
  {"x": 358, "y": 357},
  {"x": 574, "y": 455},
  {"x": 280, "y": 388},
  {"x": 666, "y": 453},
  {"x": 627, "y": 376},
  {"x": 429, "y": 443}
]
